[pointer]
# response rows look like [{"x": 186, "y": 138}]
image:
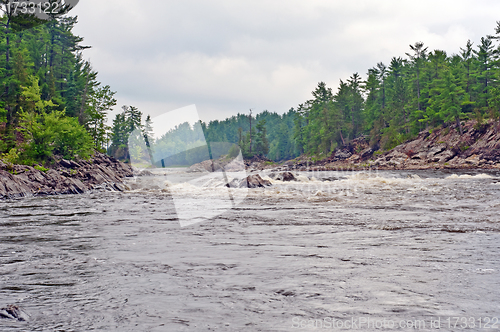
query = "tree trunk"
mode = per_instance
[
  {"x": 341, "y": 137},
  {"x": 457, "y": 120},
  {"x": 418, "y": 89},
  {"x": 81, "y": 115},
  {"x": 250, "y": 149}
]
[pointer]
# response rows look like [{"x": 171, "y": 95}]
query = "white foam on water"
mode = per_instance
[
  {"x": 467, "y": 176},
  {"x": 375, "y": 179},
  {"x": 266, "y": 177},
  {"x": 302, "y": 178}
]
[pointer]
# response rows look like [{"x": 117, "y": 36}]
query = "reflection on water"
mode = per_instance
[{"x": 394, "y": 245}]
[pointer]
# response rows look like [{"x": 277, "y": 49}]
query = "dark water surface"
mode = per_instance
[{"x": 392, "y": 245}]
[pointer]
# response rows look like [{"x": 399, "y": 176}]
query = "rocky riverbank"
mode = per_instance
[
  {"x": 441, "y": 148},
  {"x": 64, "y": 177}
]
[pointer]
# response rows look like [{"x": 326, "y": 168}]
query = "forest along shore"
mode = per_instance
[
  {"x": 65, "y": 177},
  {"x": 441, "y": 148}
]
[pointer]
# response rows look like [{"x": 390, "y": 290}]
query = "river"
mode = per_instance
[{"x": 332, "y": 248}]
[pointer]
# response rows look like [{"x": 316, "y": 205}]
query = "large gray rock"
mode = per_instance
[
  {"x": 340, "y": 155},
  {"x": 436, "y": 150},
  {"x": 12, "y": 186},
  {"x": 445, "y": 156},
  {"x": 68, "y": 163},
  {"x": 366, "y": 153},
  {"x": 286, "y": 176},
  {"x": 254, "y": 181}
]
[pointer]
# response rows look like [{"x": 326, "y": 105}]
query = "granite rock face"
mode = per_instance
[
  {"x": 66, "y": 177},
  {"x": 478, "y": 147}
]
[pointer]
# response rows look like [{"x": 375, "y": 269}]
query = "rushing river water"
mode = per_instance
[{"x": 336, "y": 247}]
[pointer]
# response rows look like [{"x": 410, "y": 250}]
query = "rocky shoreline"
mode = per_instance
[
  {"x": 442, "y": 148},
  {"x": 64, "y": 177}
]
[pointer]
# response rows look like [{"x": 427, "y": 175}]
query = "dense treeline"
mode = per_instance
[
  {"x": 395, "y": 102},
  {"x": 423, "y": 90},
  {"x": 50, "y": 99}
]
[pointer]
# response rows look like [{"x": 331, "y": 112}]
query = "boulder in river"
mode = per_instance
[
  {"x": 286, "y": 176},
  {"x": 254, "y": 181}
]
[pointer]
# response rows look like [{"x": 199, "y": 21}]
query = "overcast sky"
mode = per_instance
[{"x": 228, "y": 56}]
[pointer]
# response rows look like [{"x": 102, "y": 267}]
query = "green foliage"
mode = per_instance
[
  {"x": 11, "y": 157},
  {"x": 279, "y": 134},
  {"x": 53, "y": 133},
  {"x": 45, "y": 81},
  {"x": 48, "y": 133},
  {"x": 41, "y": 168},
  {"x": 100, "y": 102},
  {"x": 3, "y": 115},
  {"x": 261, "y": 143},
  {"x": 128, "y": 126}
]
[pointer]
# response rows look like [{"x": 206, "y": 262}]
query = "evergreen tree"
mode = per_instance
[
  {"x": 484, "y": 75},
  {"x": 261, "y": 142},
  {"x": 101, "y": 101}
]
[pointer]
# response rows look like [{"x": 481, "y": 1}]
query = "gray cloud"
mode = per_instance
[{"x": 228, "y": 56}]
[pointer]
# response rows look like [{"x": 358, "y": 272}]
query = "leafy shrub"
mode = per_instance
[
  {"x": 53, "y": 133},
  {"x": 41, "y": 168},
  {"x": 3, "y": 115},
  {"x": 11, "y": 157}
]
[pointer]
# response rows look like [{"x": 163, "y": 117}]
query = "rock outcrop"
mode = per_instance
[
  {"x": 478, "y": 147},
  {"x": 444, "y": 147},
  {"x": 65, "y": 177}
]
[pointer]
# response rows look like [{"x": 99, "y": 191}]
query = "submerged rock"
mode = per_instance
[
  {"x": 235, "y": 183},
  {"x": 13, "y": 312}
]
